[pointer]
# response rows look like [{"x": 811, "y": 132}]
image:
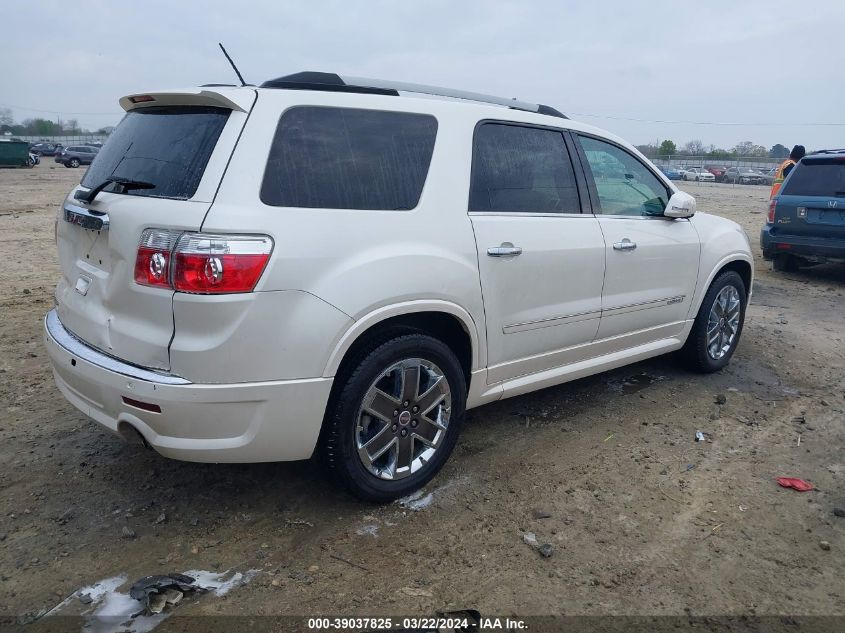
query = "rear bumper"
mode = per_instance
[
  {"x": 774, "y": 242},
  {"x": 237, "y": 422}
]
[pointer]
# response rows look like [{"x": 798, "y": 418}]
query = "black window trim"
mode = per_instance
[
  {"x": 323, "y": 106},
  {"x": 580, "y": 182},
  {"x": 591, "y": 184}
]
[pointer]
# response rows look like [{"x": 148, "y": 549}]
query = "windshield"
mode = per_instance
[
  {"x": 817, "y": 178},
  {"x": 166, "y": 146}
]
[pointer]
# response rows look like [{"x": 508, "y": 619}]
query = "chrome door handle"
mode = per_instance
[
  {"x": 505, "y": 250},
  {"x": 625, "y": 245}
]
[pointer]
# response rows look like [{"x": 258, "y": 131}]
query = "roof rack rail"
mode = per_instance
[
  {"x": 827, "y": 151},
  {"x": 335, "y": 83}
]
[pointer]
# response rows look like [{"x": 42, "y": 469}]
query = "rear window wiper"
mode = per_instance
[{"x": 126, "y": 183}]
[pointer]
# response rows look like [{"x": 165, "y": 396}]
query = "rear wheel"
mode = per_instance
[
  {"x": 73, "y": 162},
  {"x": 718, "y": 325},
  {"x": 785, "y": 263},
  {"x": 395, "y": 417}
]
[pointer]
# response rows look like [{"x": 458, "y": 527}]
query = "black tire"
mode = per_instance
[
  {"x": 73, "y": 162},
  {"x": 337, "y": 444},
  {"x": 785, "y": 263},
  {"x": 694, "y": 354}
]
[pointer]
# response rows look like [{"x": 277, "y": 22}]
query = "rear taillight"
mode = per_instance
[
  {"x": 773, "y": 205},
  {"x": 155, "y": 252},
  {"x": 219, "y": 263},
  {"x": 201, "y": 263}
]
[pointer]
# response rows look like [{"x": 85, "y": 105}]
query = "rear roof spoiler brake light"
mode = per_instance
[{"x": 191, "y": 97}]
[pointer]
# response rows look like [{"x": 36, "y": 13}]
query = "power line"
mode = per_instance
[
  {"x": 745, "y": 124},
  {"x": 16, "y": 107}
]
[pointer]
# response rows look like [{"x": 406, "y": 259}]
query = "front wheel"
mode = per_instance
[
  {"x": 718, "y": 325},
  {"x": 74, "y": 162},
  {"x": 394, "y": 418}
]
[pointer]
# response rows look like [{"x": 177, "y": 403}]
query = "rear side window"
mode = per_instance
[
  {"x": 521, "y": 170},
  {"x": 168, "y": 147},
  {"x": 825, "y": 177},
  {"x": 347, "y": 158}
]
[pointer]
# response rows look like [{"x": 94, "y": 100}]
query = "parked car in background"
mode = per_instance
[
  {"x": 670, "y": 172},
  {"x": 806, "y": 220},
  {"x": 682, "y": 171},
  {"x": 699, "y": 174},
  {"x": 718, "y": 172},
  {"x": 768, "y": 175},
  {"x": 45, "y": 149},
  {"x": 743, "y": 176},
  {"x": 76, "y": 155},
  {"x": 185, "y": 327}
]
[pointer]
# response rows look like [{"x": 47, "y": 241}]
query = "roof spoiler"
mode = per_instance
[{"x": 231, "y": 99}]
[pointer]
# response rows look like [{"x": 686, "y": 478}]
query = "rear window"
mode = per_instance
[
  {"x": 347, "y": 158},
  {"x": 824, "y": 177},
  {"x": 168, "y": 147}
]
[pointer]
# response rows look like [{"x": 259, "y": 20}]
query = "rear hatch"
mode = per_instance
[
  {"x": 180, "y": 142},
  {"x": 812, "y": 200}
]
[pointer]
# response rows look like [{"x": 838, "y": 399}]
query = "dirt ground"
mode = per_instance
[{"x": 642, "y": 519}]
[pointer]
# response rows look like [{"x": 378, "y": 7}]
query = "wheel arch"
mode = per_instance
[
  {"x": 741, "y": 263},
  {"x": 442, "y": 319}
]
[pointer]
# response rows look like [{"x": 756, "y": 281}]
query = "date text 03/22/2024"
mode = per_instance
[{"x": 422, "y": 623}]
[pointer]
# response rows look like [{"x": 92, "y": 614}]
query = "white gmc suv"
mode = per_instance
[{"x": 347, "y": 265}]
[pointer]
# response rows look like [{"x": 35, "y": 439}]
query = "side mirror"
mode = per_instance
[{"x": 680, "y": 205}]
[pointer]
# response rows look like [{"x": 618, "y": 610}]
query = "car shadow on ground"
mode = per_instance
[
  {"x": 138, "y": 477},
  {"x": 831, "y": 273}
]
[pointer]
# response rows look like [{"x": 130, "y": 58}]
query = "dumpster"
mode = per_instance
[{"x": 15, "y": 154}]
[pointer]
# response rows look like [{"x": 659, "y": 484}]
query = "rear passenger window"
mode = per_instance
[
  {"x": 521, "y": 169},
  {"x": 345, "y": 158}
]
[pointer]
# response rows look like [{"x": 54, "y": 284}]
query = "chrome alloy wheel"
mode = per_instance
[
  {"x": 723, "y": 322},
  {"x": 403, "y": 418}
]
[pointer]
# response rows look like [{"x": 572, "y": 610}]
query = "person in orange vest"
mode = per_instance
[{"x": 786, "y": 166}]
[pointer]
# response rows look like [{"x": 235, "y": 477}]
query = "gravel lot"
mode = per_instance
[{"x": 641, "y": 518}]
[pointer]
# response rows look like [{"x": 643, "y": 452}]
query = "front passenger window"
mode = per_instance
[{"x": 625, "y": 186}]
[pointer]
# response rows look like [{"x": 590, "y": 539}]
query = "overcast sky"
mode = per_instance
[{"x": 773, "y": 65}]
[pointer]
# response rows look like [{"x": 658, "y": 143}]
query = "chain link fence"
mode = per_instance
[
  {"x": 65, "y": 140},
  {"x": 750, "y": 162}
]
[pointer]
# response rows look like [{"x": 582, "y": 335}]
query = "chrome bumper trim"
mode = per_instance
[{"x": 73, "y": 345}]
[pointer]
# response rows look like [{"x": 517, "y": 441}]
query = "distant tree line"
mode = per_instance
[
  {"x": 43, "y": 127},
  {"x": 697, "y": 148}
]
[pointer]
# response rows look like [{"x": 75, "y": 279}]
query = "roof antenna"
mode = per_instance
[{"x": 237, "y": 72}]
